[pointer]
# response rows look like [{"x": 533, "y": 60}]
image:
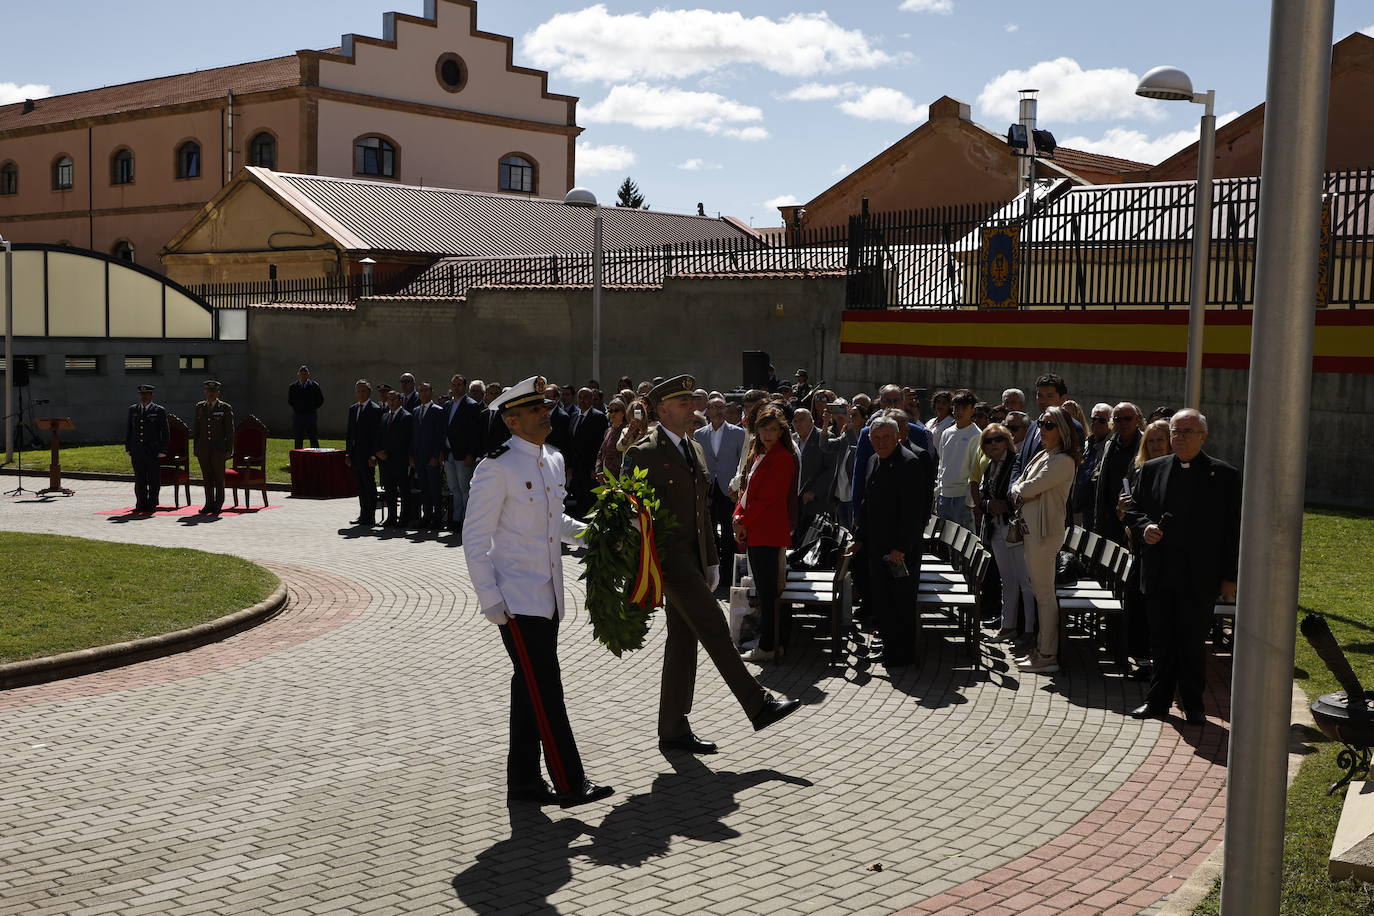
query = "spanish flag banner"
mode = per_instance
[{"x": 647, "y": 591}]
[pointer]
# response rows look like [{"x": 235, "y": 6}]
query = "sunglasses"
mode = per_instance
[
  {"x": 1101, "y": 420},
  {"x": 1047, "y": 424},
  {"x": 1124, "y": 418},
  {"x": 996, "y": 440},
  {"x": 1016, "y": 428}
]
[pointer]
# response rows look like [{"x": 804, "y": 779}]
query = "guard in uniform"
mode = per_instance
[
  {"x": 212, "y": 439},
  {"x": 691, "y": 572},
  {"x": 512, "y": 537},
  {"x": 145, "y": 439}
]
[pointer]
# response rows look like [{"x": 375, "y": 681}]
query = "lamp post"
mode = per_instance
[
  {"x": 1172, "y": 84},
  {"x": 581, "y": 197},
  {"x": 9, "y": 349}
]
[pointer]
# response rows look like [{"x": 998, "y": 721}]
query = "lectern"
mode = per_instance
[{"x": 56, "y": 425}]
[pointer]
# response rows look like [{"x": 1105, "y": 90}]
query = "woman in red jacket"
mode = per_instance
[{"x": 764, "y": 518}]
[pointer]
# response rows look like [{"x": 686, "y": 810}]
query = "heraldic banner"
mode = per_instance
[{"x": 999, "y": 261}]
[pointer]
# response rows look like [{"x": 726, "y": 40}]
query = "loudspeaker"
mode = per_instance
[
  {"x": 21, "y": 373},
  {"x": 755, "y": 369}
]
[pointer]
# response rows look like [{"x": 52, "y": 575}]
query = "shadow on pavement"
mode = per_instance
[{"x": 518, "y": 874}]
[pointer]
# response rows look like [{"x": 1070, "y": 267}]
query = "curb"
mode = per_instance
[
  {"x": 42, "y": 474},
  {"x": 101, "y": 658}
]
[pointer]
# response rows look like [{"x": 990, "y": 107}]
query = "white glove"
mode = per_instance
[
  {"x": 712, "y": 577},
  {"x": 497, "y": 616}
]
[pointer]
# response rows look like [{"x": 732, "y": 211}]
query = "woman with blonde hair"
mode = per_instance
[{"x": 1042, "y": 494}]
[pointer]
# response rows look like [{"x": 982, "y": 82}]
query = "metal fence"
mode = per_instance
[{"x": 1122, "y": 246}]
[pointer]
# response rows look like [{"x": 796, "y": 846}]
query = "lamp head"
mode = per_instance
[
  {"x": 580, "y": 197},
  {"x": 1167, "y": 83}
]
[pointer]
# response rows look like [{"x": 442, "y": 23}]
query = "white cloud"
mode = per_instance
[
  {"x": 1368, "y": 30},
  {"x": 13, "y": 92},
  {"x": 664, "y": 108},
  {"x": 811, "y": 92},
  {"x": 884, "y": 104},
  {"x": 928, "y": 6},
  {"x": 1134, "y": 144},
  {"x": 841, "y": 170},
  {"x": 1010, "y": 27},
  {"x": 1069, "y": 93},
  {"x": 699, "y": 165},
  {"x": 782, "y": 200},
  {"x": 609, "y": 158},
  {"x": 595, "y": 44}
]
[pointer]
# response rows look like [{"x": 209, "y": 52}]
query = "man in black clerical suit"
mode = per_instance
[
  {"x": 145, "y": 439},
  {"x": 1186, "y": 512},
  {"x": 587, "y": 430},
  {"x": 889, "y": 528},
  {"x": 393, "y": 454},
  {"x": 360, "y": 443}
]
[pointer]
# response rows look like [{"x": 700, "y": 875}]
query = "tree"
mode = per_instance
[{"x": 627, "y": 195}]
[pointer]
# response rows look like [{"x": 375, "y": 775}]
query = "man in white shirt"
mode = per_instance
[
  {"x": 723, "y": 444},
  {"x": 956, "y": 445},
  {"x": 512, "y": 538}
]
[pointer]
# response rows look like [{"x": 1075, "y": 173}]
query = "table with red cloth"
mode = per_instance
[{"x": 321, "y": 473}]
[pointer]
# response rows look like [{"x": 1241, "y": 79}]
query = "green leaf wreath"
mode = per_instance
[{"x": 612, "y": 559}]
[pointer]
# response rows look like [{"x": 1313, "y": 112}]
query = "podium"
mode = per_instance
[{"x": 57, "y": 425}]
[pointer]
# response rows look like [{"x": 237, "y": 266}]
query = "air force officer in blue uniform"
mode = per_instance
[
  {"x": 145, "y": 439},
  {"x": 513, "y": 534}
]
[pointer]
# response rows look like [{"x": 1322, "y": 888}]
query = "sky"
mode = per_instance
[{"x": 741, "y": 106}]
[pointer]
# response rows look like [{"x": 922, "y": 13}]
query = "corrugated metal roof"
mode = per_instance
[{"x": 385, "y": 216}]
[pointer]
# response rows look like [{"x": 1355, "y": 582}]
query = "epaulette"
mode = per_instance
[{"x": 498, "y": 451}]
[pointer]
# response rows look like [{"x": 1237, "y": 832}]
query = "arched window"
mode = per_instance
[
  {"x": 517, "y": 174},
  {"x": 124, "y": 250},
  {"x": 9, "y": 179},
  {"x": 188, "y": 160},
  {"x": 374, "y": 156},
  {"x": 262, "y": 150},
  {"x": 122, "y": 167},
  {"x": 63, "y": 173}
]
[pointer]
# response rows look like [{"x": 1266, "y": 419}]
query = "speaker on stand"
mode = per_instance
[{"x": 755, "y": 369}]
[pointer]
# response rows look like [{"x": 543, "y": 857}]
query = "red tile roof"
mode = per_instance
[
  {"x": 255, "y": 76},
  {"x": 1073, "y": 160}
]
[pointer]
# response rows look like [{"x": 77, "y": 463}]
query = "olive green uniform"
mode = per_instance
[{"x": 212, "y": 439}]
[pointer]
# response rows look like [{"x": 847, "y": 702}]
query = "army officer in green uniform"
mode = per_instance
[
  {"x": 212, "y": 439},
  {"x": 691, "y": 571}
]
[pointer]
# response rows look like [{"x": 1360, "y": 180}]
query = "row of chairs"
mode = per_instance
[{"x": 247, "y": 469}]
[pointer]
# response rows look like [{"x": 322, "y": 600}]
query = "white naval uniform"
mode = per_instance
[{"x": 514, "y": 530}]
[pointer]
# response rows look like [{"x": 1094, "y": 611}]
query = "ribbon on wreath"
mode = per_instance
[{"x": 647, "y": 591}]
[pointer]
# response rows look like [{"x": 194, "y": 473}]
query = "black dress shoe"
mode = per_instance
[
  {"x": 541, "y": 793},
  {"x": 688, "y": 742},
  {"x": 587, "y": 792},
  {"x": 1146, "y": 712},
  {"x": 1195, "y": 717},
  {"x": 774, "y": 710}
]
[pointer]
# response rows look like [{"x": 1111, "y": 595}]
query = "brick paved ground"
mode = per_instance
[{"x": 348, "y": 756}]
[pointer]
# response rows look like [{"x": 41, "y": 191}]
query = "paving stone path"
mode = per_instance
[{"x": 348, "y": 757}]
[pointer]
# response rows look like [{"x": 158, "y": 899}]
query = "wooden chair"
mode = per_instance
[
  {"x": 174, "y": 469},
  {"x": 248, "y": 468}
]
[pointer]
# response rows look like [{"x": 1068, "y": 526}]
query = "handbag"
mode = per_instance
[
  {"x": 819, "y": 546},
  {"x": 1016, "y": 528}
]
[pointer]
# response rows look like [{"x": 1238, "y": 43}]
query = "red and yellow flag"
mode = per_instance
[{"x": 647, "y": 591}]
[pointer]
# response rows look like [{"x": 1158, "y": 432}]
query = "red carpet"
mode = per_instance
[{"x": 187, "y": 510}]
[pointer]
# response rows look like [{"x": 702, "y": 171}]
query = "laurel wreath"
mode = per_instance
[{"x": 612, "y": 559}]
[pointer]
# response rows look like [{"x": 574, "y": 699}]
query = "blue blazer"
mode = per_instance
[
  {"x": 429, "y": 435},
  {"x": 721, "y": 466}
]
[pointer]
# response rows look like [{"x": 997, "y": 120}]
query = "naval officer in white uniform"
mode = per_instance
[{"x": 513, "y": 534}]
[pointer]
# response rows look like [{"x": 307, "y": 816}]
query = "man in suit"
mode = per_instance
[
  {"x": 889, "y": 398},
  {"x": 560, "y": 422},
  {"x": 393, "y": 451},
  {"x": 889, "y": 528},
  {"x": 145, "y": 439},
  {"x": 463, "y": 443},
  {"x": 360, "y": 444},
  {"x": 212, "y": 439},
  {"x": 428, "y": 434},
  {"x": 1117, "y": 456},
  {"x": 410, "y": 398},
  {"x": 723, "y": 444},
  {"x": 588, "y": 428},
  {"x": 306, "y": 398},
  {"x": 676, "y": 467},
  {"x": 816, "y": 476},
  {"x": 1186, "y": 513}
]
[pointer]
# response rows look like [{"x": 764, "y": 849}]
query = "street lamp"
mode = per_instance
[
  {"x": 582, "y": 197},
  {"x": 1173, "y": 85},
  {"x": 9, "y": 349}
]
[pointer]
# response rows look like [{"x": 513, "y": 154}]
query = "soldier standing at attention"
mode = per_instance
[
  {"x": 145, "y": 439},
  {"x": 306, "y": 399},
  {"x": 212, "y": 439},
  {"x": 513, "y": 534},
  {"x": 691, "y": 572}
]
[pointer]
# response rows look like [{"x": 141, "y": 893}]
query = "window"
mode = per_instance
[
  {"x": 124, "y": 250},
  {"x": 451, "y": 72},
  {"x": 30, "y": 361},
  {"x": 63, "y": 173},
  {"x": 82, "y": 365},
  {"x": 374, "y": 156},
  {"x": 262, "y": 150},
  {"x": 9, "y": 179},
  {"x": 122, "y": 167},
  {"x": 517, "y": 174},
  {"x": 193, "y": 363},
  {"x": 188, "y": 160},
  {"x": 135, "y": 365}
]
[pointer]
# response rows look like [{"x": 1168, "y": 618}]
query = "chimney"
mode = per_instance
[
  {"x": 1026, "y": 166},
  {"x": 28, "y": 106}
]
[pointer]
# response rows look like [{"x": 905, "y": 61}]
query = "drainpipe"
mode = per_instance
[{"x": 228, "y": 137}]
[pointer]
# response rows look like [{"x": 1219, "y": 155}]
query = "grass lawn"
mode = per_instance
[
  {"x": 63, "y": 594},
  {"x": 111, "y": 459},
  {"x": 1337, "y": 581}
]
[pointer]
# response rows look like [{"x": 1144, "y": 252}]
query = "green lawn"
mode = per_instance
[
  {"x": 1337, "y": 581},
  {"x": 111, "y": 459},
  {"x": 63, "y": 594}
]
